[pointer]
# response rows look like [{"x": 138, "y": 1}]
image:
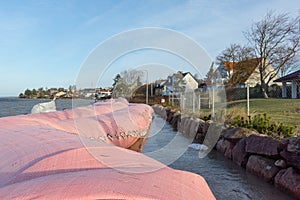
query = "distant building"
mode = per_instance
[
  {"x": 88, "y": 92},
  {"x": 103, "y": 93},
  {"x": 176, "y": 83}
]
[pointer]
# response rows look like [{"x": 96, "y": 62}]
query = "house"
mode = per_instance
[
  {"x": 244, "y": 73},
  {"x": 176, "y": 83},
  {"x": 103, "y": 93},
  {"x": 88, "y": 92},
  {"x": 160, "y": 87},
  {"x": 294, "y": 79}
]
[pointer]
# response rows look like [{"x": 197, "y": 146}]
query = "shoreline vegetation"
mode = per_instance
[{"x": 63, "y": 93}]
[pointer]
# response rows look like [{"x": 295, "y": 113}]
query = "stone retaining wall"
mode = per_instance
[{"x": 275, "y": 161}]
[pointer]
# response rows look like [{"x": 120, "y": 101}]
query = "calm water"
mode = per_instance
[
  {"x": 226, "y": 180},
  {"x": 12, "y": 106}
]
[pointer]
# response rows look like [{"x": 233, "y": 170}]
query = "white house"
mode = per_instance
[{"x": 177, "y": 82}]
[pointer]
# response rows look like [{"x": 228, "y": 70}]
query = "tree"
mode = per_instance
[
  {"x": 211, "y": 75},
  {"x": 233, "y": 54},
  {"x": 27, "y": 92},
  {"x": 21, "y": 95},
  {"x": 275, "y": 40},
  {"x": 116, "y": 80},
  {"x": 138, "y": 81},
  {"x": 33, "y": 92},
  {"x": 126, "y": 83}
]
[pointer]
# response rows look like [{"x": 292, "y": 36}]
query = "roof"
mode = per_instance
[
  {"x": 186, "y": 73},
  {"x": 290, "y": 77},
  {"x": 243, "y": 70},
  {"x": 59, "y": 94},
  {"x": 230, "y": 65}
]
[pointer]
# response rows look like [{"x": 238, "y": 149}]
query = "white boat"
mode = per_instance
[{"x": 44, "y": 107}]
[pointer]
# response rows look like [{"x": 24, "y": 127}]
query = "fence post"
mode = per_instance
[
  {"x": 248, "y": 101},
  {"x": 213, "y": 103},
  {"x": 193, "y": 101},
  {"x": 199, "y": 105},
  {"x": 183, "y": 99},
  {"x": 208, "y": 99}
]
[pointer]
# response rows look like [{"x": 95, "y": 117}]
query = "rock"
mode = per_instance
[
  {"x": 202, "y": 128},
  {"x": 176, "y": 120},
  {"x": 291, "y": 152},
  {"x": 262, "y": 167},
  {"x": 168, "y": 111},
  {"x": 239, "y": 154},
  {"x": 292, "y": 159},
  {"x": 225, "y": 147},
  {"x": 194, "y": 127},
  {"x": 293, "y": 144},
  {"x": 160, "y": 110},
  {"x": 263, "y": 145},
  {"x": 209, "y": 122},
  {"x": 280, "y": 163},
  {"x": 235, "y": 134},
  {"x": 170, "y": 115},
  {"x": 184, "y": 125},
  {"x": 288, "y": 180}
]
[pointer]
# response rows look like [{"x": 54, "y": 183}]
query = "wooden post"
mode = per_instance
[{"x": 248, "y": 101}]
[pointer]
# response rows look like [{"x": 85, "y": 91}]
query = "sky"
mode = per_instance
[{"x": 47, "y": 43}]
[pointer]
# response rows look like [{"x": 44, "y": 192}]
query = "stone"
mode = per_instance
[
  {"x": 280, "y": 163},
  {"x": 262, "y": 167},
  {"x": 263, "y": 145},
  {"x": 176, "y": 120},
  {"x": 292, "y": 159},
  {"x": 225, "y": 147},
  {"x": 184, "y": 124},
  {"x": 170, "y": 115},
  {"x": 194, "y": 127},
  {"x": 209, "y": 121},
  {"x": 288, "y": 180},
  {"x": 160, "y": 110},
  {"x": 293, "y": 144},
  {"x": 239, "y": 154},
  {"x": 291, "y": 152},
  {"x": 202, "y": 128},
  {"x": 235, "y": 134}
]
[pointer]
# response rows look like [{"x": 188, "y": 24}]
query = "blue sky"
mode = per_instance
[{"x": 44, "y": 43}]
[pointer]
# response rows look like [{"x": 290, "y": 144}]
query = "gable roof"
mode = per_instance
[
  {"x": 186, "y": 73},
  {"x": 290, "y": 77},
  {"x": 230, "y": 65},
  {"x": 243, "y": 70}
]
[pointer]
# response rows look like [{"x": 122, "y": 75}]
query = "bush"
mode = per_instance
[{"x": 263, "y": 124}]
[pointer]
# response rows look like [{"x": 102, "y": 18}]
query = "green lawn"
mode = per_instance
[{"x": 280, "y": 110}]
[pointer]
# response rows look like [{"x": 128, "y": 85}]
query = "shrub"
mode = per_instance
[{"x": 264, "y": 125}]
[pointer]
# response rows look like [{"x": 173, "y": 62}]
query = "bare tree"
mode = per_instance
[
  {"x": 275, "y": 40},
  {"x": 126, "y": 83},
  {"x": 233, "y": 54}
]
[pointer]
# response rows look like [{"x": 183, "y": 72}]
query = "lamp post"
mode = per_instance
[{"x": 147, "y": 98}]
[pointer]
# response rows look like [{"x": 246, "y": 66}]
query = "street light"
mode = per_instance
[{"x": 147, "y": 98}]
